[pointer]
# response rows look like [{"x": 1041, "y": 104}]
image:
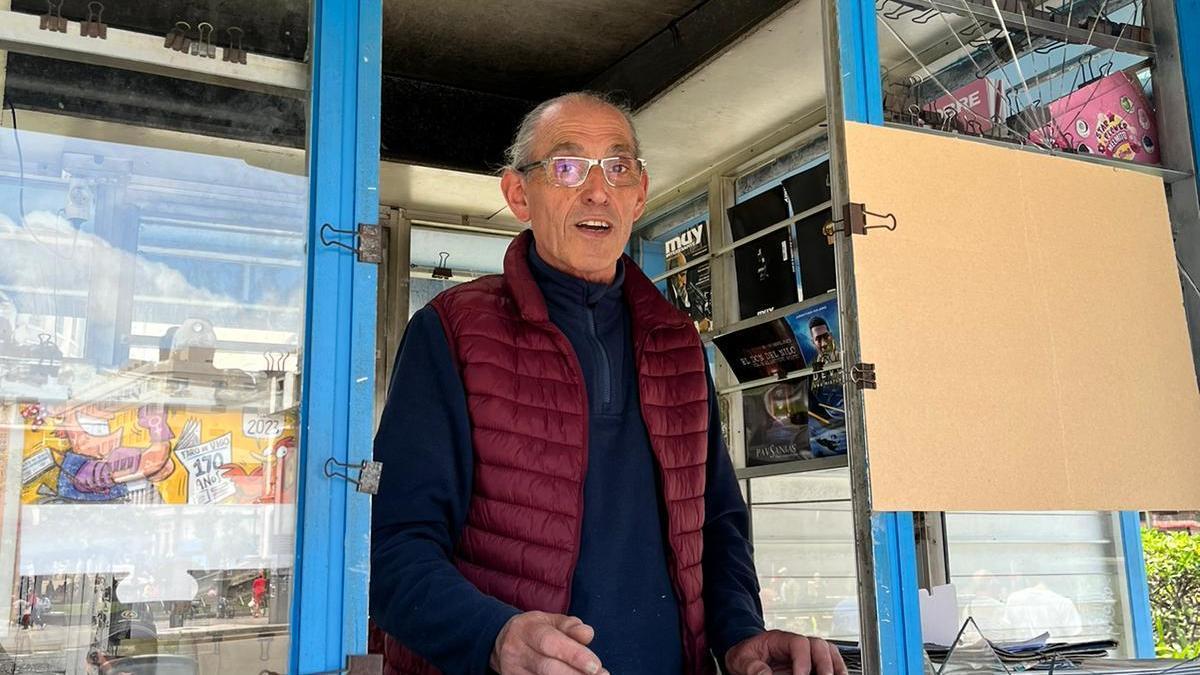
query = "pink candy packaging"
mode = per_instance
[{"x": 1109, "y": 117}]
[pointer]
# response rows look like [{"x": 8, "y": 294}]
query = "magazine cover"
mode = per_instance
[
  {"x": 814, "y": 253},
  {"x": 819, "y": 336},
  {"x": 808, "y": 189},
  {"x": 826, "y": 420},
  {"x": 766, "y": 279},
  {"x": 691, "y": 290},
  {"x": 776, "y": 419},
  {"x": 817, "y": 332},
  {"x": 766, "y": 350}
]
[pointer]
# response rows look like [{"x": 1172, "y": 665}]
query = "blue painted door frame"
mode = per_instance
[
  {"x": 329, "y": 611},
  {"x": 1135, "y": 584},
  {"x": 893, "y": 541}
]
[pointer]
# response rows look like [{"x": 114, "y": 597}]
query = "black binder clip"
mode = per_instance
[
  {"x": 370, "y": 243},
  {"x": 93, "y": 26},
  {"x": 854, "y": 221},
  {"x": 178, "y": 39},
  {"x": 442, "y": 271},
  {"x": 204, "y": 47},
  {"x": 53, "y": 19},
  {"x": 235, "y": 53},
  {"x": 368, "y": 474}
]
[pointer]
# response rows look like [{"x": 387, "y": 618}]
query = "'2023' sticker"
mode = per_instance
[{"x": 261, "y": 426}]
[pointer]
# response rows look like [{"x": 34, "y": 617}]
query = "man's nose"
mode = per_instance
[{"x": 595, "y": 188}]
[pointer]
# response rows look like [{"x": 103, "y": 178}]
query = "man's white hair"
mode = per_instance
[{"x": 521, "y": 151}]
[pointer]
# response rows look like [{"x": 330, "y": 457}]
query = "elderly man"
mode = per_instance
[{"x": 556, "y": 498}]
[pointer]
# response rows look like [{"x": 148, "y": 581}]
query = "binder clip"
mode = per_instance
[
  {"x": 93, "y": 26},
  {"x": 204, "y": 47},
  {"x": 442, "y": 271},
  {"x": 234, "y": 53},
  {"x": 53, "y": 19},
  {"x": 368, "y": 474},
  {"x": 178, "y": 39}
]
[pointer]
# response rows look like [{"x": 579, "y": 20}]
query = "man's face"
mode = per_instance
[
  {"x": 823, "y": 339},
  {"x": 559, "y": 215}
]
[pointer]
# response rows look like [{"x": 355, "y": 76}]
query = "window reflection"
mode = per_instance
[
  {"x": 804, "y": 552},
  {"x": 151, "y": 310}
]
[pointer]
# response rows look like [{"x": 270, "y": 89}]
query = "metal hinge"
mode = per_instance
[
  {"x": 862, "y": 375},
  {"x": 370, "y": 241}
]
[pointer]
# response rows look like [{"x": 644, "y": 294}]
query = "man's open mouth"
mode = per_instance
[{"x": 594, "y": 225}]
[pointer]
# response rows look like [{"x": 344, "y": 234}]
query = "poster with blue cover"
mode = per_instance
[{"x": 818, "y": 332}]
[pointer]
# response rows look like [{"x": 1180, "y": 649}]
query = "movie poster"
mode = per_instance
[
  {"x": 691, "y": 290},
  {"x": 765, "y": 350},
  {"x": 776, "y": 422},
  {"x": 766, "y": 278},
  {"x": 818, "y": 333}
]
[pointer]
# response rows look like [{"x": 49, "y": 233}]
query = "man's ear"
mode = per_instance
[
  {"x": 513, "y": 188},
  {"x": 643, "y": 190}
]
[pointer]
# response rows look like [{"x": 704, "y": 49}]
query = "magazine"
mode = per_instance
[
  {"x": 765, "y": 350},
  {"x": 776, "y": 422},
  {"x": 814, "y": 254},
  {"x": 818, "y": 333},
  {"x": 691, "y": 290},
  {"x": 766, "y": 279}
]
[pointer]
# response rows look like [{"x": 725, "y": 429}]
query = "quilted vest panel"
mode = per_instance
[{"x": 529, "y": 422}]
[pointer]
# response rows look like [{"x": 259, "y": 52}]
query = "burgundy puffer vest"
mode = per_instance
[{"x": 528, "y": 406}]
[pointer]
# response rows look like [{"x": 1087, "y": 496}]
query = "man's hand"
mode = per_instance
[
  {"x": 777, "y": 650},
  {"x": 537, "y": 643}
]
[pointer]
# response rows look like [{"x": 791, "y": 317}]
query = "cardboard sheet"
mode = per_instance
[{"x": 1026, "y": 323}]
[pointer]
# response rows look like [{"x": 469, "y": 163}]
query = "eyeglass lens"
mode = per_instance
[{"x": 573, "y": 171}]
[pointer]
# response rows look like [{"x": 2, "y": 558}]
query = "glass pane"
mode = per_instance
[
  {"x": 1021, "y": 574},
  {"x": 465, "y": 251},
  {"x": 151, "y": 317},
  {"x": 804, "y": 551},
  {"x": 1081, "y": 81},
  {"x": 1171, "y": 548},
  {"x": 465, "y": 255}
]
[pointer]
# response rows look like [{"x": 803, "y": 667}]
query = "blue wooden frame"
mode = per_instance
[
  {"x": 1135, "y": 584},
  {"x": 329, "y": 610},
  {"x": 1187, "y": 18},
  {"x": 893, "y": 541}
]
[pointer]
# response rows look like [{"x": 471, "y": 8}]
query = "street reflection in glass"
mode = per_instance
[{"x": 151, "y": 308}]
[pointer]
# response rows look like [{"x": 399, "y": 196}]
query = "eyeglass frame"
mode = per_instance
[{"x": 526, "y": 168}]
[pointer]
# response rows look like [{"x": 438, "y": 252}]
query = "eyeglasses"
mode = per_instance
[{"x": 571, "y": 172}]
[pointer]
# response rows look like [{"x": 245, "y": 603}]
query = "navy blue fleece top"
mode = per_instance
[{"x": 621, "y": 585}]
